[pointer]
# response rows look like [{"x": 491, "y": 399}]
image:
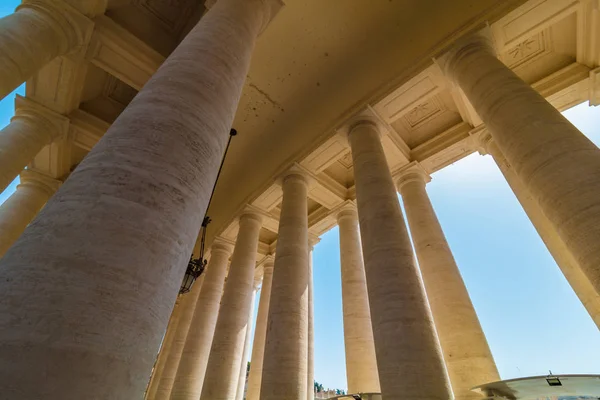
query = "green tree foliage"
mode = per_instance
[{"x": 318, "y": 387}]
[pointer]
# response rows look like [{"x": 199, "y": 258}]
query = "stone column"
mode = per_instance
[
  {"x": 361, "y": 363},
  {"x": 165, "y": 349},
  {"x": 23, "y": 205},
  {"x": 569, "y": 266},
  {"x": 468, "y": 358},
  {"x": 35, "y": 34},
  {"x": 239, "y": 393},
  {"x": 124, "y": 224},
  {"x": 310, "y": 359},
  {"x": 258, "y": 348},
  {"x": 194, "y": 358},
  {"x": 32, "y": 128},
  {"x": 222, "y": 372},
  {"x": 285, "y": 359},
  {"x": 186, "y": 313},
  {"x": 557, "y": 164},
  {"x": 409, "y": 358}
]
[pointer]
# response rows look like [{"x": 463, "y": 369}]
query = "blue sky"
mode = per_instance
[{"x": 531, "y": 317}]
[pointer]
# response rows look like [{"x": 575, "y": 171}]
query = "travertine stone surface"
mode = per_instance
[
  {"x": 239, "y": 392},
  {"x": 165, "y": 350},
  {"x": 186, "y": 313},
  {"x": 36, "y": 33},
  {"x": 32, "y": 128},
  {"x": 569, "y": 266},
  {"x": 409, "y": 358},
  {"x": 361, "y": 362},
  {"x": 258, "y": 347},
  {"x": 310, "y": 356},
  {"x": 23, "y": 205},
  {"x": 285, "y": 360},
  {"x": 558, "y": 165},
  {"x": 226, "y": 353},
  {"x": 468, "y": 358},
  {"x": 123, "y": 226},
  {"x": 194, "y": 358}
]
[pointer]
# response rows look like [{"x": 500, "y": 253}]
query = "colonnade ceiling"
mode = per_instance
[
  {"x": 318, "y": 64},
  {"x": 428, "y": 119}
]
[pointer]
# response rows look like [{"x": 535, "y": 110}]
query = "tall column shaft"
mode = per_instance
[
  {"x": 468, "y": 358},
  {"x": 187, "y": 308},
  {"x": 285, "y": 360},
  {"x": 310, "y": 357},
  {"x": 409, "y": 358},
  {"x": 194, "y": 358},
  {"x": 23, "y": 205},
  {"x": 32, "y": 128},
  {"x": 165, "y": 349},
  {"x": 239, "y": 393},
  {"x": 361, "y": 362},
  {"x": 569, "y": 266},
  {"x": 163, "y": 355},
  {"x": 558, "y": 165},
  {"x": 123, "y": 225},
  {"x": 227, "y": 349},
  {"x": 260, "y": 332},
  {"x": 35, "y": 34}
]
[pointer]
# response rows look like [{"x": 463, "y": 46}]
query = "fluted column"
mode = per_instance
[
  {"x": 165, "y": 349},
  {"x": 557, "y": 164},
  {"x": 258, "y": 347},
  {"x": 310, "y": 359},
  {"x": 23, "y": 205},
  {"x": 35, "y": 34},
  {"x": 361, "y": 363},
  {"x": 468, "y": 358},
  {"x": 569, "y": 266},
  {"x": 188, "y": 305},
  {"x": 124, "y": 223},
  {"x": 409, "y": 358},
  {"x": 239, "y": 394},
  {"x": 194, "y": 358},
  {"x": 285, "y": 361},
  {"x": 222, "y": 372},
  {"x": 32, "y": 128}
]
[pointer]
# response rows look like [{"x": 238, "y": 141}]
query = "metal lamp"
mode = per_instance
[{"x": 196, "y": 266}]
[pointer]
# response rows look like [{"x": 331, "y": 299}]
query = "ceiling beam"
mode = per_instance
[{"x": 117, "y": 51}]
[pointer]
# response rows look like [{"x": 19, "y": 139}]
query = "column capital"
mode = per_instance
[
  {"x": 30, "y": 178},
  {"x": 485, "y": 144},
  {"x": 298, "y": 172},
  {"x": 258, "y": 278},
  {"x": 366, "y": 118},
  {"x": 346, "y": 210},
  {"x": 481, "y": 41},
  {"x": 313, "y": 240},
  {"x": 482, "y": 139},
  {"x": 221, "y": 245},
  {"x": 267, "y": 263},
  {"x": 253, "y": 214},
  {"x": 413, "y": 172},
  {"x": 75, "y": 27},
  {"x": 55, "y": 125}
]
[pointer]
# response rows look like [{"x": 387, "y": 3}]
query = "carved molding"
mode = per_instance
[
  {"x": 116, "y": 51},
  {"x": 423, "y": 113},
  {"x": 86, "y": 130},
  {"x": 528, "y": 50},
  {"x": 409, "y": 98},
  {"x": 528, "y": 20}
]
